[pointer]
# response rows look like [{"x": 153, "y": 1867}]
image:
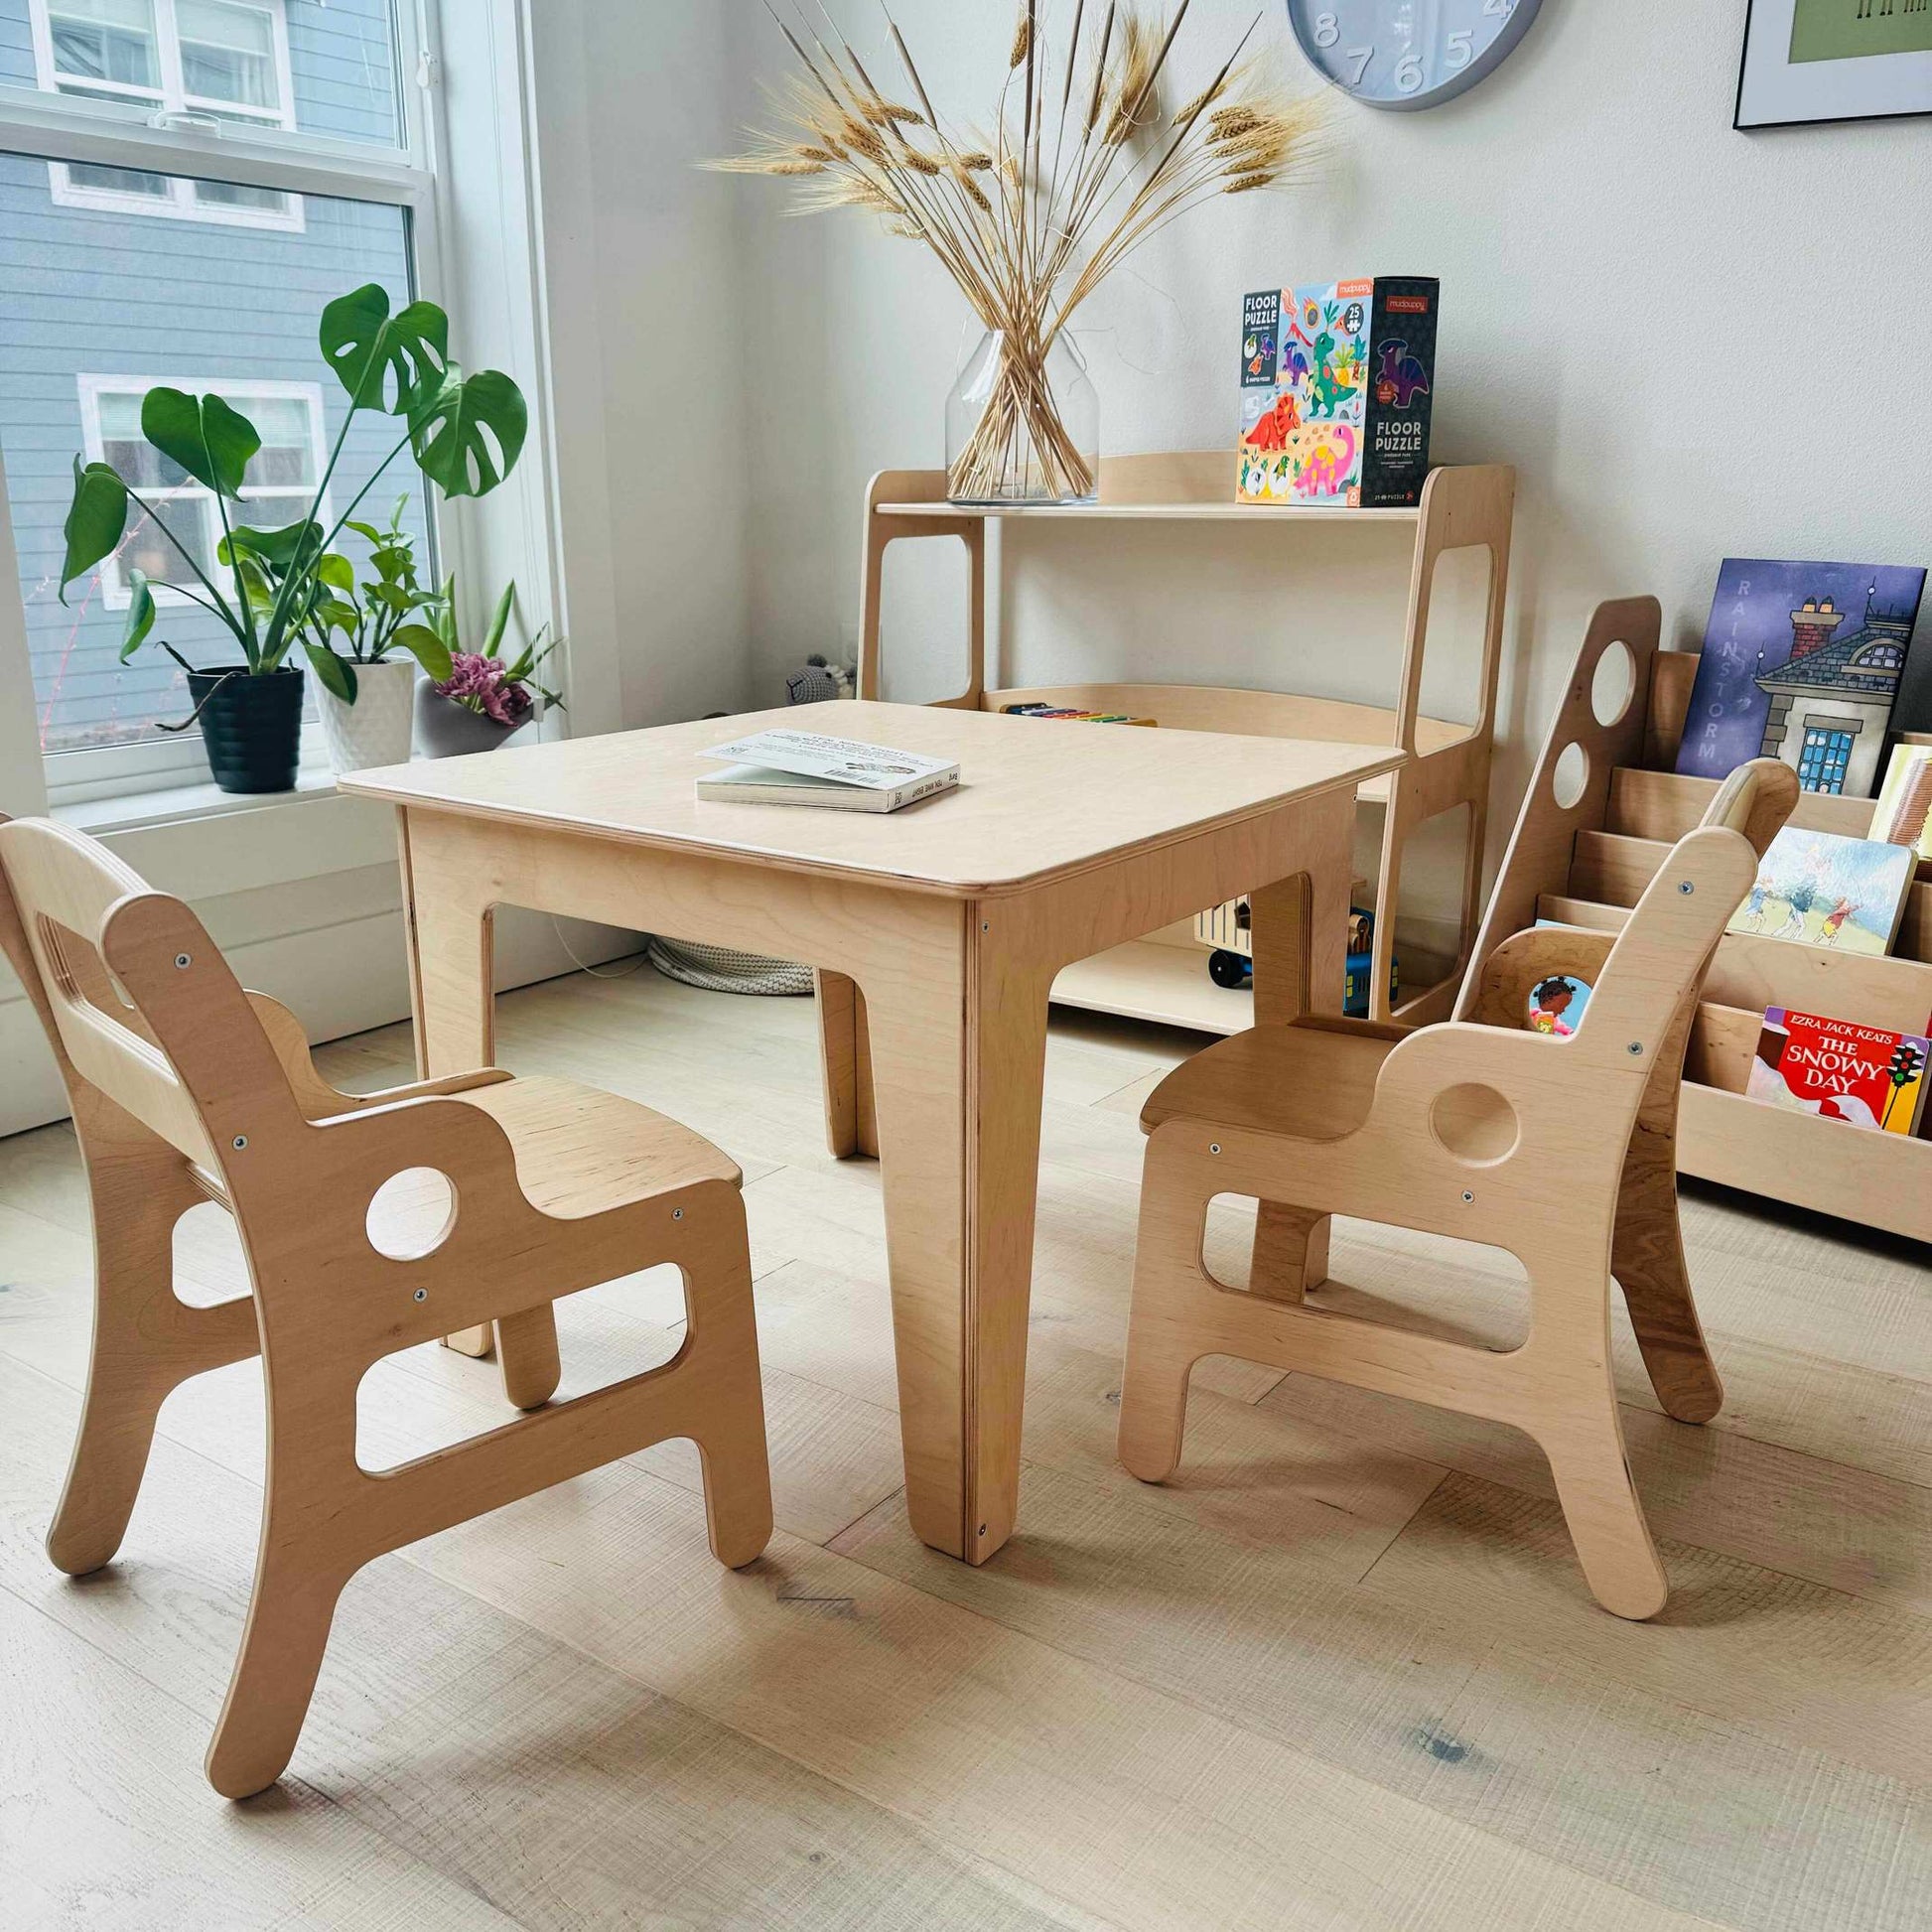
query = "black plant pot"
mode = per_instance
[{"x": 252, "y": 726}]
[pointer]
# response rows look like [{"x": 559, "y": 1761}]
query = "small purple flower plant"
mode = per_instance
[{"x": 483, "y": 684}]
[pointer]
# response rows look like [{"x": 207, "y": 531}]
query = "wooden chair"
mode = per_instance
[
  {"x": 1559, "y": 1149},
  {"x": 185, "y": 1089}
]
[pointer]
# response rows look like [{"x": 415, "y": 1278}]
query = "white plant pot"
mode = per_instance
[{"x": 374, "y": 729}]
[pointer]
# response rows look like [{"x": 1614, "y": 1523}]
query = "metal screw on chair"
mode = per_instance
[
  {"x": 421, "y": 1294},
  {"x": 1468, "y": 1197},
  {"x": 240, "y": 1141},
  {"x": 1635, "y": 1050},
  {"x": 677, "y": 1214},
  {"x": 1213, "y": 1147},
  {"x": 182, "y": 959},
  {"x": 1684, "y": 886}
]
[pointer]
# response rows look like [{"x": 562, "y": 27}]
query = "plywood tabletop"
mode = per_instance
[{"x": 1037, "y": 799}]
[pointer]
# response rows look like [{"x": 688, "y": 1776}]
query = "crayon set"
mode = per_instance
[{"x": 1079, "y": 717}]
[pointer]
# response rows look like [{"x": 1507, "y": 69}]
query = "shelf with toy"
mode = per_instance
[
  {"x": 1582, "y": 855},
  {"x": 1468, "y": 508}
]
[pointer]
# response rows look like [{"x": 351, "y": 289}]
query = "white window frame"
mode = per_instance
[
  {"x": 67, "y": 128},
  {"x": 240, "y": 393},
  {"x": 180, "y": 202}
]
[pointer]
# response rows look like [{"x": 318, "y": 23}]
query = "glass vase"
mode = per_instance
[{"x": 1023, "y": 427}]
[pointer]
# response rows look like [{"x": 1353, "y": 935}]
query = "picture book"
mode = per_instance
[
  {"x": 1801, "y": 662},
  {"x": 1556, "y": 1003},
  {"x": 1821, "y": 889},
  {"x": 1338, "y": 391},
  {"x": 1905, "y": 812},
  {"x": 1862, "y": 1075},
  {"x": 789, "y": 768}
]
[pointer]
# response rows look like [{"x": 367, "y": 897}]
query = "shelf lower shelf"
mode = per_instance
[
  {"x": 1148, "y": 979},
  {"x": 1160, "y": 513},
  {"x": 1882, "y": 1180}
]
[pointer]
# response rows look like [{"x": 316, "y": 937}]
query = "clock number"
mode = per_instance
[
  {"x": 1408, "y": 72},
  {"x": 1327, "y": 30},
  {"x": 1361, "y": 56},
  {"x": 1461, "y": 50},
  {"x": 1500, "y": 9}
]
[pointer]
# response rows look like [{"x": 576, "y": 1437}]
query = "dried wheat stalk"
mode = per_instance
[{"x": 1078, "y": 172}]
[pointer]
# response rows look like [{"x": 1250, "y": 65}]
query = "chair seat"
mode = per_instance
[
  {"x": 580, "y": 1150},
  {"x": 1312, "y": 1081}
]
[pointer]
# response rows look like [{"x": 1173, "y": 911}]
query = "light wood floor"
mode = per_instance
[{"x": 1341, "y": 1673}]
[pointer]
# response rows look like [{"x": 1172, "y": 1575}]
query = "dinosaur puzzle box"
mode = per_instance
[{"x": 1337, "y": 384}]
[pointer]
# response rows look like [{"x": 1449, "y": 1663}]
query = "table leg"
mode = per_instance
[
  {"x": 450, "y": 980},
  {"x": 1299, "y": 929},
  {"x": 850, "y": 1125},
  {"x": 959, "y": 1051}
]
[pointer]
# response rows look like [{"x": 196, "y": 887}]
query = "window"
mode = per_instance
[
  {"x": 97, "y": 308},
  {"x": 279, "y": 487},
  {"x": 1880, "y": 657},
  {"x": 225, "y": 62},
  {"x": 1823, "y": 761}
]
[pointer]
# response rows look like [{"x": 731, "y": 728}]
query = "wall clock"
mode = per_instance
[{"x": 1409, "y": 53}]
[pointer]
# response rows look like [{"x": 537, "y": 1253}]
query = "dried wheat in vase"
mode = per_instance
[{"x": 1083, "y": 160}]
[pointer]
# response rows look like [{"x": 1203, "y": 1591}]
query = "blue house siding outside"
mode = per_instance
[{"x": 91, "y": 291}]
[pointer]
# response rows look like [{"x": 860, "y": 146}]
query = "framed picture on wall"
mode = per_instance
[{"x": 1835, "y": 61}]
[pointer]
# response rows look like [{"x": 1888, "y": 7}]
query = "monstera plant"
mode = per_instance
[{"x": 273, "y": 591}]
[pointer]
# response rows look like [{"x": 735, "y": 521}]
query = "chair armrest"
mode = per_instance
[{"x": 315, "y": 1097}]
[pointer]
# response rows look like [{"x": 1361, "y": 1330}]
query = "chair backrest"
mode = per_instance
[
  {"x": 136, "y": 1000},
  {"x": 1667, "y": 944}
]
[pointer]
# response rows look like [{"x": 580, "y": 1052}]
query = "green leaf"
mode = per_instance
[
  {"x": 366, "y": 345},
  {"x": 337, "y": 573},
  {"x": 334, "y": 614},
  {"x": 468, "y": 431},
  {"x": 202, "y": 433},
  {"x": 426, "y": 647},
  {"x": 140, "y": 613},
  {"x": 336, "y": 673},
  {"x": 500, "y": 621},
  {"x": 276, "y": 549},
  {"x": 368, "y": 531},
  {"x": 96, "y": 520}
]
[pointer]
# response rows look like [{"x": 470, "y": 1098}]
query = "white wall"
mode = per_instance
[
  {"x": 643, "y": 276},
  {"x": 1690, "y": 342}
]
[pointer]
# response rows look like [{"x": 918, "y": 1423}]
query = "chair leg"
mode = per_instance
[
  {"x": 110, "y": 1456},
  {"x": 1160, "y": 1353},
  {"x": 1604, "y": 1512},
  {"x": 1647, "y": 1259},
  {"x": 289, "y": 1616},
  {"x": 145, "y": 1341},
  {"x": 724, "y": 1331},
  {"x": 1290, "y": 1252},
  {"x": 526, "y": 1345}
]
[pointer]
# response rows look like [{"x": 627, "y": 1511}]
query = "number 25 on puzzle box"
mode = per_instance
[{"x": 1337, "y": 385}]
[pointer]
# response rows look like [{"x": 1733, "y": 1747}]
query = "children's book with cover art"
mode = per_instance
[
  {"x": 1338, "y": 391},
  {"x": 1904, "y": 813},
  {"x": 1862, "y": 1075},
  {"x": 1801, "y": 662},
  {"x": 1825, "y": 891}
]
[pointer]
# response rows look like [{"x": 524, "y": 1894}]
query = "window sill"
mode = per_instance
[{"x": 133, "y": 811}]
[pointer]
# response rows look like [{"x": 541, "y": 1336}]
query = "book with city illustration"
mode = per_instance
[
  {"x": 1821, "y": 889},
  {"x": 1801, "y": 662},
  {"x": 1866, "y": 1076}
]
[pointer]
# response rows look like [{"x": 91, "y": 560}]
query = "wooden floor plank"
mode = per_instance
[
  {"x": 1458, "y": 1682},
  {"x": 106, "y": 1823},
  {"x": 1341, "y": 1672},
  {"x": 447, "y": 1739}
]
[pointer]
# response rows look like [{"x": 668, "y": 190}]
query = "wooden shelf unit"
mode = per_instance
[
  {"x": 1588, "y": 862},
  {"x": 1448, "y": 764}
]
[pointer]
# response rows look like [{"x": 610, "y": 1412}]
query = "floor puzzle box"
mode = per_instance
[{"x": 1338, "y": 389}]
